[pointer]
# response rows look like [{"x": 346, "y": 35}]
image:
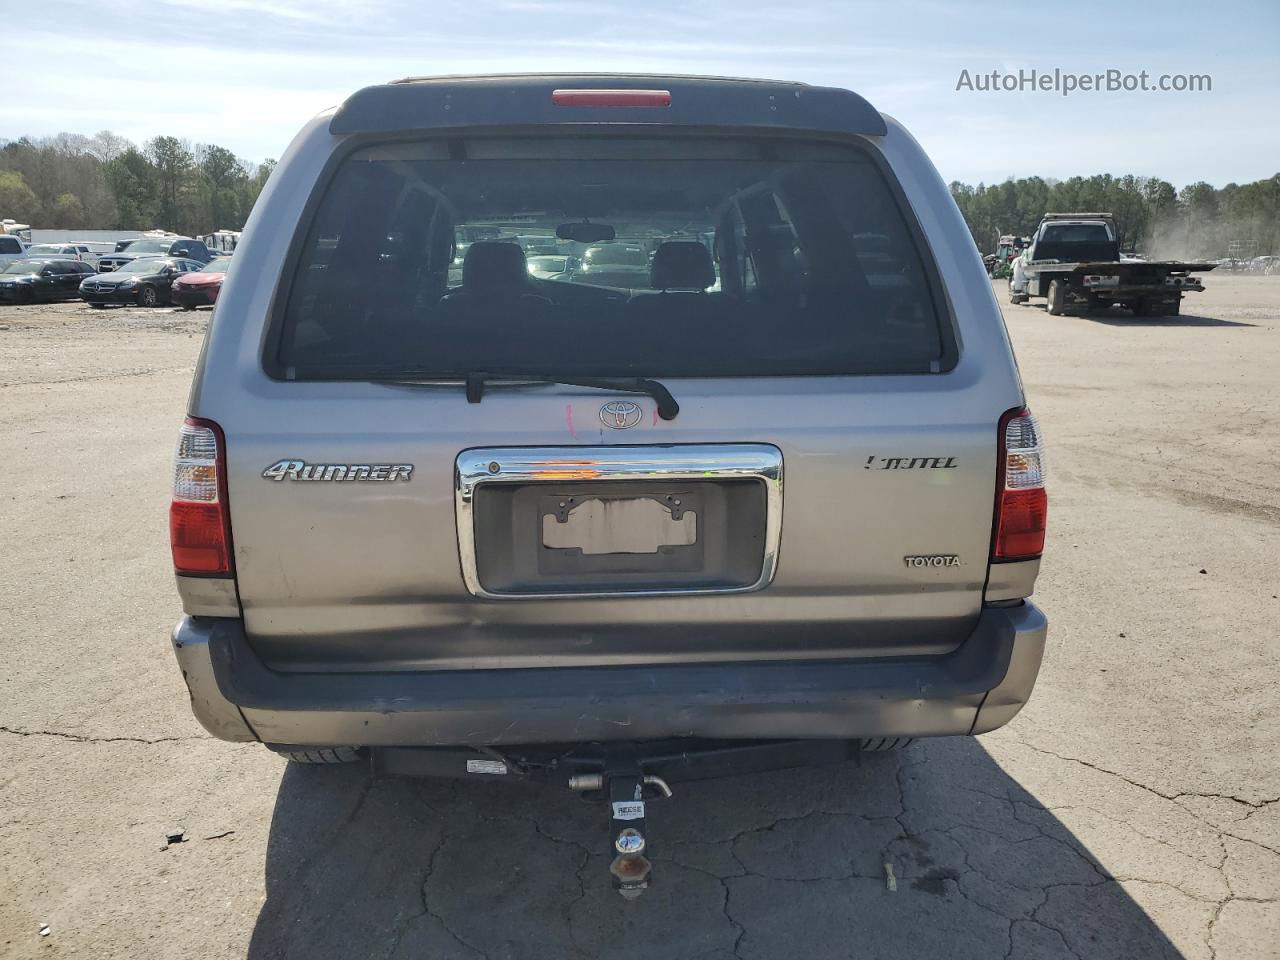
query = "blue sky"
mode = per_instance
[{"x": 270, "y": 64}]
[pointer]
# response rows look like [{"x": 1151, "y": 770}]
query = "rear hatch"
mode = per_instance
[{"x": 424, "y": 480}]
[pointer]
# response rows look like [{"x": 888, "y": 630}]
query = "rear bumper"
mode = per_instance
[{"x": 976, "y": 688}]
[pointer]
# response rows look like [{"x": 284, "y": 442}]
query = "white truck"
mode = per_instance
[{"x": 1074, "y": 260}]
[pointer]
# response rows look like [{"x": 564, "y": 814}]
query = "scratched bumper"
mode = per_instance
[{"x": 978, "y": 687}]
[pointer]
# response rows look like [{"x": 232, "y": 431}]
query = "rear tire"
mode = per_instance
[
  {"x": 318, "y": 755},
  {"x": 1148, "y": 307},
  {"x": 882, "y": 744},
  {"x": 1057, "y": 298}
]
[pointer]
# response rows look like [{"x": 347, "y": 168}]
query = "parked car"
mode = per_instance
[
  {"x": 31, "y": 281},
  {"x": 575, "y": 565},
  {"x": 184, "y": 247},
  {"x": 200, "y": 289},
  {"x": 551, "y": 267},
  {"x": 146, "y": 281},
  {"x": 620, "y": 265},
  {"x": 64, "y": 251},
  {"x": 11, "y": 247}
]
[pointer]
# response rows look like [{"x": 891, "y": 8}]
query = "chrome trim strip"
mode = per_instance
[{"x": 753, "y": 461}]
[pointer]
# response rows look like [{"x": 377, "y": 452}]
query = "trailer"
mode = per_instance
[{"x": 1074, "y": 261}]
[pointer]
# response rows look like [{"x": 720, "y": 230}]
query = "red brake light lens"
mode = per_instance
[
  {"x": 1022, "y": 504},
  {"x": 199, "y": 525},
  {"x": 611, "y": 98}
]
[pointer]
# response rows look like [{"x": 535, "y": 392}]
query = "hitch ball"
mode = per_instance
[{"x": 629, "y": 841}]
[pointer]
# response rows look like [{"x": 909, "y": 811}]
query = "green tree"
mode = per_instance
[
  {"x": 17, "y": 201},
  {"x": 67, "y": 211},
  {"x": 173, "y": 163}
]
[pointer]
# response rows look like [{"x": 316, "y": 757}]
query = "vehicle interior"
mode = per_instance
[{"x": 694, "y": 258}]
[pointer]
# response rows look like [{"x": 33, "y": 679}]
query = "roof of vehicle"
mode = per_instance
[
  {"x": 38, "y": 261},
  {"x": 1077, "y": 216},
  {"x": 512, "y": 100}
]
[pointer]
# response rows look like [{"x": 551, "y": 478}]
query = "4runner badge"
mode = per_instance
[{"x": 301, "y": 470}]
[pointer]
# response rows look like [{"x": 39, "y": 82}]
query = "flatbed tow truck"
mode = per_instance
[{"x": 1074, "y": 260}]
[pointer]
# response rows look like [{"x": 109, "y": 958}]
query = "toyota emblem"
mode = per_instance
[{"x": 620, "y": 414}]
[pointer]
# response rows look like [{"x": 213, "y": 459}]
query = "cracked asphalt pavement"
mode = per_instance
[{"x": 1131, "y": 811}]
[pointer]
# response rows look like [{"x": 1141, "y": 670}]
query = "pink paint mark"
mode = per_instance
[{"x": 568, "y": 420}]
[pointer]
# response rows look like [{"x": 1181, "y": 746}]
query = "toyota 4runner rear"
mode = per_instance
[{"x": 770, "y": 480}]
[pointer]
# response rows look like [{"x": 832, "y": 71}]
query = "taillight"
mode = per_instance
[
  {"x": 1022, "y": 504},
  {"x": 199, "y": 526},
  {"x": 611, "y": 98}
]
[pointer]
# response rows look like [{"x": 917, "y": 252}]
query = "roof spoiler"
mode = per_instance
[{"x": 465, "y": 103}]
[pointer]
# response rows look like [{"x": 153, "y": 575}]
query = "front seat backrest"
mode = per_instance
[
  {"x": 682, "y": 265},
  {"x": 494, "y": 268}
]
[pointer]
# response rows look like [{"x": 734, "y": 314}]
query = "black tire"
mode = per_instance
[
  {"x": 1057, "y": 298},
  {"x": 318, "y": 755},
  {"x": 881, "y": 744},
  {"x": 1148, "y": 307},
  {"x": 1173, "y": 309},
  {"x": 148, "y": 296}
]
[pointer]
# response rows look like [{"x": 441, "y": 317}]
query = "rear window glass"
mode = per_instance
[
  {"x": 1076, "y": 233},
  {"x": 681, "y": 258}
]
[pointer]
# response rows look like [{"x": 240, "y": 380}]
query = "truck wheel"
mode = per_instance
[
  {"x": 881, "y": 744},
  {"x": 1014, "y": 296},
  {"x": 317, "y": 755},
  {"x": 1057, "y": 297},
  {"x": 1148, "y": 307},
  {"x": 1173, "y": 309}
]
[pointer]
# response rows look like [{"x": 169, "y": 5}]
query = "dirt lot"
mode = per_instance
[{"x": 1131, "y": 811}]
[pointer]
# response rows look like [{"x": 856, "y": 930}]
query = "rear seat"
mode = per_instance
[{"x": 681, "y": 272}]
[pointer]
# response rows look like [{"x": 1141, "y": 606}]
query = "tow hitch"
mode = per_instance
[
  {"x": 625, "y": 784},
  {"x": 626, "y": 777}
]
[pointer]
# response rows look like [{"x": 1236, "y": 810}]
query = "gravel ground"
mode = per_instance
[{"x": 1131, "y": 811}]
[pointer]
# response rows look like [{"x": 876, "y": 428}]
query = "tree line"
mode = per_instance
[
  {"x": 105, "y": 182},
  {"x": 1152, "y": 216}
]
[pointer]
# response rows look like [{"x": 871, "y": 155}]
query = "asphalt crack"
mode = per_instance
[
  {"x": 80, "y": 738},
  {"x": 1174, "y": 797}
]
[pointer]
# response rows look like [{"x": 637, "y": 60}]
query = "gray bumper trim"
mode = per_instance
[{"x": 918, "y": 696}]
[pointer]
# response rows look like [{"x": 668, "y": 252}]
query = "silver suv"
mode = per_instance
[{"x": 759, "y": 471}]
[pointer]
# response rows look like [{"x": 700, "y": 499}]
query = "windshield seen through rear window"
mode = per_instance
[{"x": 683, "y": 258}]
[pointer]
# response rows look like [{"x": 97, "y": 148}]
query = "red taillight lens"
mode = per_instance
[
  {"x": 1022, "y": 504},
  {"x": 611, "y": 98},
  {"x": 199, "y": 527}
]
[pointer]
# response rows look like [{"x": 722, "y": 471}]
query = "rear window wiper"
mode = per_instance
[
  {"x": 667, "y": 406},
  {"x": 476, "y": 381}
]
